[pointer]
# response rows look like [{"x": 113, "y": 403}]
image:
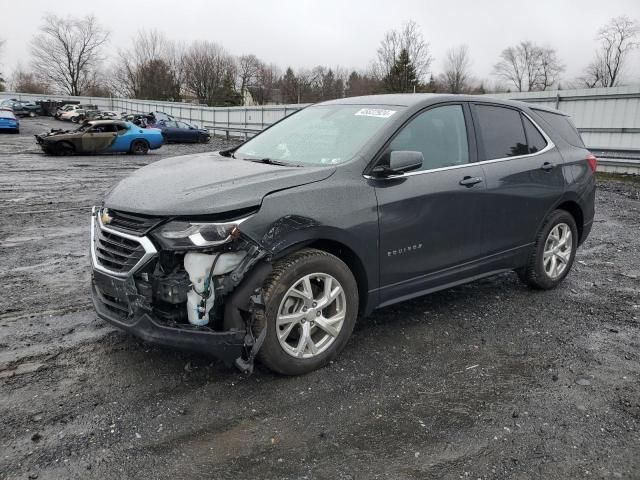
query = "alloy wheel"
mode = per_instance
[
  {"x": 557, "y": 250},
  {"x": 311, "y": 315}
]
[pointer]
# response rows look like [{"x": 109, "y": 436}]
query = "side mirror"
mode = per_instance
[{"x": 400, "y": 161}]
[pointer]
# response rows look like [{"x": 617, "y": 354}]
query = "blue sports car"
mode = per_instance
[
  {"x": 8, "y": 121},
  {"x": 101, "y": 136}
]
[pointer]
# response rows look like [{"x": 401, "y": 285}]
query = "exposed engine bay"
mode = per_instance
[{"x": 214, "y": 289}]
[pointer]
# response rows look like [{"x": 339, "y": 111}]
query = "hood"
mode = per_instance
[
  {"x": 205, "y": 183},
  {"x": 54, "y": 132}
]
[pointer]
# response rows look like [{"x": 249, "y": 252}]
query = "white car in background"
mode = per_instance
[{"x": 70, "y": 112}]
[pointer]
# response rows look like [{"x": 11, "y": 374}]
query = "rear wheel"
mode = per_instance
[
  {"x": 554, "y": 252},
  {"x": 311, "y": 305},
  {"x": 139, "y": 147}
]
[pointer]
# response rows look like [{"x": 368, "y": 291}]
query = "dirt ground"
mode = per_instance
[{"x": 488, "y": 380}]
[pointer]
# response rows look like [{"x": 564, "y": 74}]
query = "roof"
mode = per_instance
[{"x": 424, "y": 99}]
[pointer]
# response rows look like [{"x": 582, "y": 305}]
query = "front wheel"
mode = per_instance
[
  {"x": 139, "y": 147},
  {"x": 311, "y": 305},
  {"x": 63, "y": 148},
  {"x": 553, "y": 253}
]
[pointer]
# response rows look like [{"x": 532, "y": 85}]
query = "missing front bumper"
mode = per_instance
[{"x": 112, "y": 303}]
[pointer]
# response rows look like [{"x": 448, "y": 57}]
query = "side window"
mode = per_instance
[
  {"x": 501, "y": 132},
  {"x": 440, "y": 134},
  {"x": 534, "y": 138}
]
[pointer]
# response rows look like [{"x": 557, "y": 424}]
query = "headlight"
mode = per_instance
[{"x": 185, "y": 234}]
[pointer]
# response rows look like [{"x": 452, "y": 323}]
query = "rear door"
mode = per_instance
[
  {"x": 524, "y": 176},
  {"x": 430, "y": 220}
]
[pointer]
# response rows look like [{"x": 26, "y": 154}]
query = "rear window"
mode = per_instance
[
  {"x": 563, "y": 126},
  {"x": 501, "y": 132}
]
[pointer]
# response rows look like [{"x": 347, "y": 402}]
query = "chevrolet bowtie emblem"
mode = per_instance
[{"x": 105, "y": 218}]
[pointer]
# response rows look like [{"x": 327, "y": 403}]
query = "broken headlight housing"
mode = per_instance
[{"x": 188, "y": 235}]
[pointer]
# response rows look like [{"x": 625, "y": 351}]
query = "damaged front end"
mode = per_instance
[{"x": 183, "y": 283}]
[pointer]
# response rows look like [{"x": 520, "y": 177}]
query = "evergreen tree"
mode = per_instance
[
  {"x": 402, "y": 77},
  {"x": 289, "y": 87}
]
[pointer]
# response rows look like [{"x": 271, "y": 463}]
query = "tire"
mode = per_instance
[
  {"x": 538, "y": 273},
  {"x": 203, "y": 139},
  {"x": 64, "y": 148},
  {"x": 139, "y": 147},
  {"x": 280, "y": 303}
]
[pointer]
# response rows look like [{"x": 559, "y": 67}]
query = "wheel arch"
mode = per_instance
[
  {"x": 345, "y": 253},
  {"x": 574, "y": 209}
]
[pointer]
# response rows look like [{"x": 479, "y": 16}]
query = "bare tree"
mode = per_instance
[
  {"x": 528, "y": 66},
  {"x": 249, "y": 67},
  {"x": 67, "y": 51},
  {"x": 409, "y": 38},
  {"x": 457, "y": 65},
  {"x": 1, "y": 77},
  {"x": 616, "y": 39},
  {"x": 207, "y": 67},
  {"x": 24, "y": 81},
  {"x": 266, "y": 86},
  {"x": 548, "y": 69},
  {"x": 152, "y": 69}
]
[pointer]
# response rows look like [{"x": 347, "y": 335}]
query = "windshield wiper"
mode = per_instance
[{"x": 271, "y": 161}]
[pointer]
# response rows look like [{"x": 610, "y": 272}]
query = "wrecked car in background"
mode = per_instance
[
  {"x": 101, "y": 136},
  {"x": 274, "y": 247},
  {"x": 182, "y": 132},
  {"x": 22, "y": 108}
]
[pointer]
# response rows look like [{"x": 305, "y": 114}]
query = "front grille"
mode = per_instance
[
  {"x": 117, "y": 253},
  {"x": 132, "y": 223}
]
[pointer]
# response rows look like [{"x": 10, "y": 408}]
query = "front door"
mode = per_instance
[
  {"x": 430, "y": 220},
  {"x": 98, "y": 138}
]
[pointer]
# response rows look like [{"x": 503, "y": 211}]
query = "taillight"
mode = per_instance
[{"x": 592, "y": 161}]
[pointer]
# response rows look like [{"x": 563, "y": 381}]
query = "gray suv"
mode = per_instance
[{"x": 272, "y": 249}]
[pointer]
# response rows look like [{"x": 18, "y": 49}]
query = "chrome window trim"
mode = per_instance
[
  {"x": 550, "y": 146},
  {"x": 149, "y": 249}
]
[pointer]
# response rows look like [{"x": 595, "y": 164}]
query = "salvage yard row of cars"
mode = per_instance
[{"x": 101, "y": 131}]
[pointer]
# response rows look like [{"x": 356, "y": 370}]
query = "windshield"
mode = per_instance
[{"x": 323, "y": 134}]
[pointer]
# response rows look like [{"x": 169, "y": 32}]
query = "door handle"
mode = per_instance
[
  {"x": 470, "y": 181},
  {"x": 546, "y": 166}
]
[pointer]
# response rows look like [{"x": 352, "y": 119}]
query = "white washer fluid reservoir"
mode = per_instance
[{"x": 198, "y": 266}]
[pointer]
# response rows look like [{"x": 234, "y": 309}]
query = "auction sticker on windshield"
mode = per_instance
[{"x": 375, "y": 112}]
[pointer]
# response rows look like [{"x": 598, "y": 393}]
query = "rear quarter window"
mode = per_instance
[{"x": 563, "y": 126}]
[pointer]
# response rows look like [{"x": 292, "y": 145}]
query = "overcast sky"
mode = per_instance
[{"x": 304, "y": 33}]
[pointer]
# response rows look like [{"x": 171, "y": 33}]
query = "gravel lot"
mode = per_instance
[{"x": 487, "y": 380}]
